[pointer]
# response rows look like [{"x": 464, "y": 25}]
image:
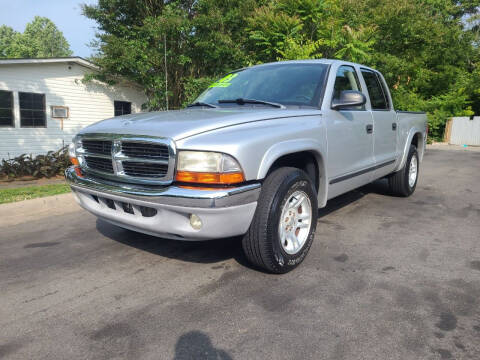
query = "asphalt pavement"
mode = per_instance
[{"x": 386, "y": 278}]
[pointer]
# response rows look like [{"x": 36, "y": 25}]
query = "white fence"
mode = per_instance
[{"x": 463, "y": 131}]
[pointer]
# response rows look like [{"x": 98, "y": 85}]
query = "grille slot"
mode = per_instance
[
  {"x": 99, "y": 164},
  {"x": 145, "y": 150},
  {"x": 103, "y": 147},
  {"x": 148, "y": 170},
  {"x": 129, "y": 159}
]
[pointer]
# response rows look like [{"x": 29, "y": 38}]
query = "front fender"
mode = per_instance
[
  {"x": 257, "y": 145},
  {"x": 317, "y": 148},
  {"x": 287, "y": 147}
]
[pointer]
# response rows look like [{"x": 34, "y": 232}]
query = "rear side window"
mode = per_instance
[{"x": 376, "y": 93}]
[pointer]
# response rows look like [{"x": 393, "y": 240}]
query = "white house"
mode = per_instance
[{"x": 43, "y": 103}]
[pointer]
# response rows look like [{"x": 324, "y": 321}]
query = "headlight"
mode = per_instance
[
  {"x": 72, "y": 153},
  {"x": 208, "y": 168},
  {"x": 71, "y": 150}
]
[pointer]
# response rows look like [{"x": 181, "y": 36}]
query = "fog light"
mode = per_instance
[{"x": 195, "y": 222}]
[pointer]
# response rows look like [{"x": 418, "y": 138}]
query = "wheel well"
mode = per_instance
[
  {"x": 304, "y": 160},
  {"x": 416, "y": 140}
]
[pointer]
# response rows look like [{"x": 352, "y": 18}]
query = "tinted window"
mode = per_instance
[
  {"x": 385, "y": 91},
  {"x": 346, "y": 79},
  {"x": 288, "y": 84},
  {"x": 32, "y": 109},
  {"x": 375, "y": 91},
  {"x": 122, "y": 107},
  {"x": 6, "y": 108}
]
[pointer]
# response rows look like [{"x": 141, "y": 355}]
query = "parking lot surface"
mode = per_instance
[{"x": 386, "y": 278}]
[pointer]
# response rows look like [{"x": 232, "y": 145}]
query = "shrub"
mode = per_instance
[{"x": 49, "y": 165}]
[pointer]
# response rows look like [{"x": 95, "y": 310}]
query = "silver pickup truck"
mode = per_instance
[{"x": 254, "y": 156}]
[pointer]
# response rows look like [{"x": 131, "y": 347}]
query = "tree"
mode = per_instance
[
  {"x": 41, "y": 38},
  {"x": 7, "y": 38},
  {"x": 428, "y": 50},
  {"x": 167, "y": 47},
  {"x": 427, "y": 56}
]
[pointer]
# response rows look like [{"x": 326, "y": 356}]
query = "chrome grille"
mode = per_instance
[
  {"x": 98, "y": 146},
  {"x": 142, "y": 169},
  {"x": 145, "y": 150},
  {"x": 99, "y": 164},
  {"x": 134, "y": 159}
]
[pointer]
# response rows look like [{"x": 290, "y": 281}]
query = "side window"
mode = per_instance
[
  {"x": 346, "y": 79},
  {"x": 32, "y": 110},
  {"x": 375, "y": 91},
  {"x": 6, "y": 108},
  {"x": 385, "y": 91}
]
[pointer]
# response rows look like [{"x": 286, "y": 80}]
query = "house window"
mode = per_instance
[
  {"x": 6, "y": 108},
  {"x": 32, "y": 110},
  {"x": 122, "y": 107}
]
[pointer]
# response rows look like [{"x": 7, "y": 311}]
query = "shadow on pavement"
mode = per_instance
[
  {"x": 214, "y": 251},
  {"x": 211, "y": 251},
  {"x": 197, "y": 345},
  {"x": 377, "y": 187}
]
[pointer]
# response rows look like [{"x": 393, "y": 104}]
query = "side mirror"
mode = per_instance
[{"x": 349, "y": 98}]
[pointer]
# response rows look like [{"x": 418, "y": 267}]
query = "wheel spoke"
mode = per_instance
[
  {"x": 302, "y": 225},
  {"x": 297, "y": 201},
  {"x": 294, "y": 241},
  {"x": 303, "y": 216}
]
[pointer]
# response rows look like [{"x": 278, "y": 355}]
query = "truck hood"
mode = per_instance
[{"x": 180, "y": 124}]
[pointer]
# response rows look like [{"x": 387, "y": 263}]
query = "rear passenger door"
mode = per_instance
[{"x": 384, "y": 123}]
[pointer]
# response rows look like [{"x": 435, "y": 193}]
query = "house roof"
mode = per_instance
[{"x": 67, "y": 60}]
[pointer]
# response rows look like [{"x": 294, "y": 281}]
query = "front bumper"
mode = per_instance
[{"x": 165, "y": 212}]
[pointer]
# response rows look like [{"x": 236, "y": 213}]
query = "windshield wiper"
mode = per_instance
[
  {"x": 241, "y": 101},
  {"x": 199, "y": 103}
]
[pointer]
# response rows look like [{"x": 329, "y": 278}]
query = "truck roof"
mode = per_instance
[{"x": 314, "y": 61}]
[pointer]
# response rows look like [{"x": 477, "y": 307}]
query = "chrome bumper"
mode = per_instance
[{"x": 223, "y": 212}]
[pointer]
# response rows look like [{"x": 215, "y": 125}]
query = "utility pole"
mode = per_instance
[{"x": 166, "y": 79}]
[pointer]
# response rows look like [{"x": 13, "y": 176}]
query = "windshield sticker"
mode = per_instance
[{"x": 224, "y": 82}]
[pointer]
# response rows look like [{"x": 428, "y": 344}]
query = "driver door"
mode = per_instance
[{"x": 350, "y": 140}]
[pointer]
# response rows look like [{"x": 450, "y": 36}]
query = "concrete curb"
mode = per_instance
[
  {"x": 445, "y": 146},
  {"x": 29, "y": 210}
]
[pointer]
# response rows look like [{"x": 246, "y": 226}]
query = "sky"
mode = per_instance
[{"x": 66, "y": 14}]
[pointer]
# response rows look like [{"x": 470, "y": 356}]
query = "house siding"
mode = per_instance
[{"x": 62, "y": 85}]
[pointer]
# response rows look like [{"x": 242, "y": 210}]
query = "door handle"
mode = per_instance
[
  {"x": 369, "y": 128},
  {"x": 394, "y": 126}
]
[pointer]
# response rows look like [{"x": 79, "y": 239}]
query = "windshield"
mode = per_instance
[{"x": 286, "y": 84}]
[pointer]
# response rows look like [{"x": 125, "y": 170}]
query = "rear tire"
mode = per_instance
[
  {"x": 403, "y": 182},
  {"x": 284, "y": 224}
]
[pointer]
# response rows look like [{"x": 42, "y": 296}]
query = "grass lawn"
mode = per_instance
[{"x": 31, "y": 192}]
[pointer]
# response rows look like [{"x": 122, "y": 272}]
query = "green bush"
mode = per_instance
[{"x": 49, "y": 165}]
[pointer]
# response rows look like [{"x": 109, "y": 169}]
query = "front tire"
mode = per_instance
[
  {"x": 284, "y": 224},
  {"x": 403, "y": 182}
]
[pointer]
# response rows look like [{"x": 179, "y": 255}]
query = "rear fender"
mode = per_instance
[{"x": 407, "y": 144}]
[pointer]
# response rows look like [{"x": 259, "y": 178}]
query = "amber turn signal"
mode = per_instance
[
  {"x": 210, "y": 178},
  {"x": 74, "y": 161}
]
